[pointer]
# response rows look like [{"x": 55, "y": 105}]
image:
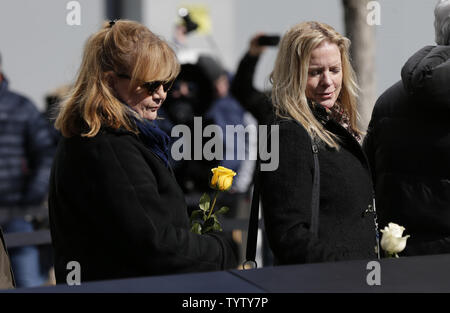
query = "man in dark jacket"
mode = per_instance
[
  {"x": 408, "y": 146},
  {"x": 25, "y": 161}
]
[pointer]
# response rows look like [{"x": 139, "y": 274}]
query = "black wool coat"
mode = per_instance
[
  {"x": 117, "y": 210},
  {"x": 345, "y": 232},
  {"x": 408, "y": 146}
]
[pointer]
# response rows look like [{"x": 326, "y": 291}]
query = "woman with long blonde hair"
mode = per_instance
[
  {"x": 115, "y": 206},
  {"x": 315, "y": 100}
]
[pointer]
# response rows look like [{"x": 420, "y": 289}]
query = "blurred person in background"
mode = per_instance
[
  {"x": 191, "y": 96},
  {"x": 202, "y": 90},
  {"x": 26, "y": 153},
  {"x": 408, "y": 146},
  {"x": 115, "y": 205},
  {"x": 256, "y": 102},
  {"x": 226, "y": 110},
  {"x": 53, "y": 100},
  {"x": 314, "y": 95}
]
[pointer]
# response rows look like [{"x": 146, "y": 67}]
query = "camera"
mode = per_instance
[
  {"x": 188, "y": 22},
  {"x": 269, "y": 40}
]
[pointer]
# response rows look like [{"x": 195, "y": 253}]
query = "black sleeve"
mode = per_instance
[
  {"x": 391, "y": 103},
  {"x": 128, "y": 190},
  {"x": 368, "y": 145},
  {"x": 286, "y": 195},
  {"x": 253, "y": 100}
]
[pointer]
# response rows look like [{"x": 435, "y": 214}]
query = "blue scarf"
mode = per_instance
[{"x": 154, "y": 138}]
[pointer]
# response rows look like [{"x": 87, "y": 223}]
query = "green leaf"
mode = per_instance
[
  {"x": 217, "y": 227},
  {"x": 223, "y": 210},
  {"x": 204, "y": 202},
  {"x": 196, "y": 214},
  {"x": 207, "y": 230},
  {"x": 196, "y": 228},
  {"x": 212, "y": 224}
]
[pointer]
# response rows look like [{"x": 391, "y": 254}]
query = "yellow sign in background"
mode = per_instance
[{"x": 199, "y": 14}]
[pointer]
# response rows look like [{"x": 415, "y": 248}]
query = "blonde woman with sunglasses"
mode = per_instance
[{"x": 115, "y": 206}]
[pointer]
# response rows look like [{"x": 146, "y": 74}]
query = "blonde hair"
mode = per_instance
[
  {"x": 125, "y": 47},
  {"x": 290, "y": 74}
]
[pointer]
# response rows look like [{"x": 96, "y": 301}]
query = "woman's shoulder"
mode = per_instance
[
  {"x": 288, "y": 123},
  {"x": 117, "y": 135},
  {"x": 291, "y": 128},
  {"x": 105, "y": 139}
]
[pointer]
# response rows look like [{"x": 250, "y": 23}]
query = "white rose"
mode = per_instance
[{"x": 392, "y": 241}]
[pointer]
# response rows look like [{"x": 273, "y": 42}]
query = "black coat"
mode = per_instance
[
  {"x": 345, "y": 233},
  {"x": 408, "y": 146},
  {"x": 117, "y": 210}
]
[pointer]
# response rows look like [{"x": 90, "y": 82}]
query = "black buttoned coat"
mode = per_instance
[
  {"x": 345, "y": 232},
  {"x": 117, "y": 210}
]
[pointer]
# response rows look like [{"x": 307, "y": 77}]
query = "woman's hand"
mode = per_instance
[{"x": 255, "y": 49}]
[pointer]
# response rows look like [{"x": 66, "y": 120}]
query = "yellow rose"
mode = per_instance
[{"x": 222, "y": 178}]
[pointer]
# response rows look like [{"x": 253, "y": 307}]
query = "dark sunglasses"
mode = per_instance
[{"x": 151, "y": 87}]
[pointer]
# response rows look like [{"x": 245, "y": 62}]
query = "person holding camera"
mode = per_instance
[
  {"x": 253, "y": 100},
  {"x": 317, "y": 211},
  {"x": 115, "y": 205}
]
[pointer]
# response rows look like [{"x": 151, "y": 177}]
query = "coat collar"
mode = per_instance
[
  {"x": 346, "y": 139},
  {"x": 320, "y": 113}
]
